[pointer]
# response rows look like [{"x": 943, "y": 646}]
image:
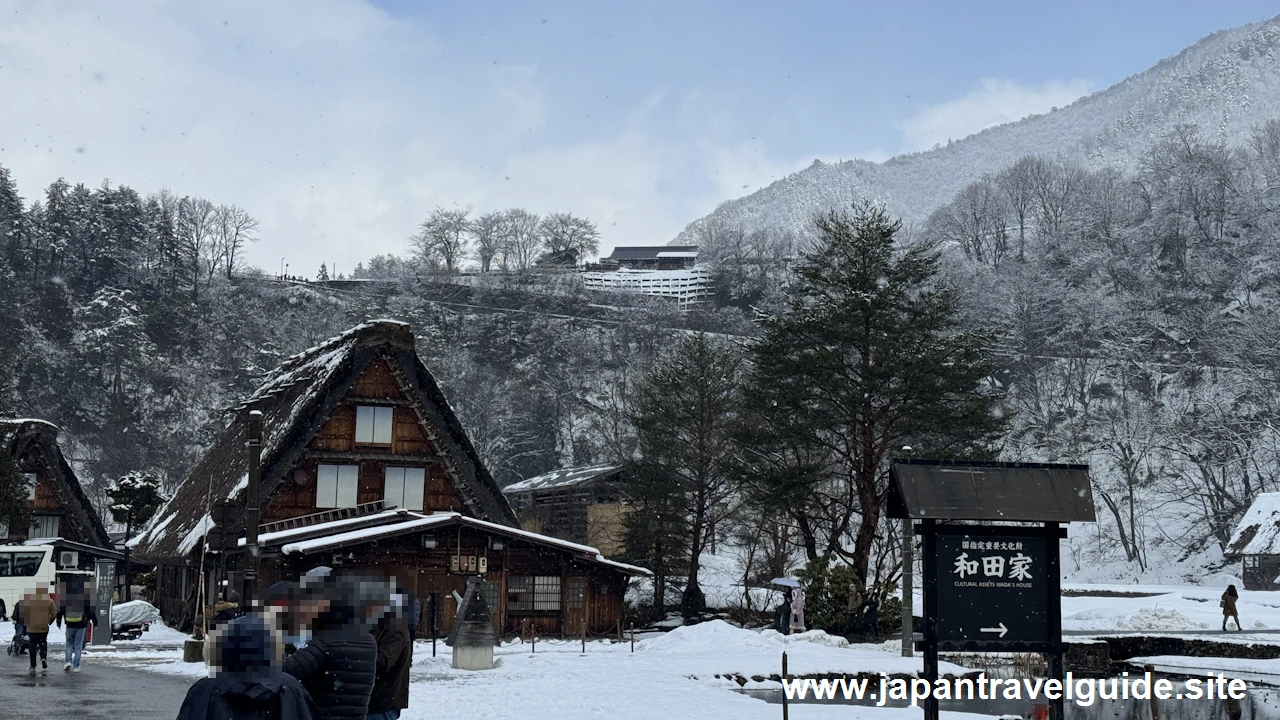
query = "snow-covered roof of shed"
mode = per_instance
[
  {"x": 563, "y": 477},
  {"x": 292, "y": 398},
  {"x": 324, "y": 536},
  {"x": 1259, "y": 530}
]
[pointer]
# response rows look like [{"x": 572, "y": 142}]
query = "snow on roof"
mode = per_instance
[
  {"x": 678, "y": 254},
  {"x": 1259, "y": 530},
  {"x": 560, "y": 478},
  {"x": 417, "y": 522},
  {"x": 272, "y": 537},
  {"x": 194, "y": 534}
]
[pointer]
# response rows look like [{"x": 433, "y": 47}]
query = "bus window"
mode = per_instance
[
  {"x": 27, "y": 564},
  {"x": 6, "y": 564}
]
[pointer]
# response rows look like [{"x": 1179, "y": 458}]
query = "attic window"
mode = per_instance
[
  {"x": 30, "y": 479},
  {"x": 373, "y": 424},
  {"x": 403, "y": 487},
  {"x": 336, "y": 486}
]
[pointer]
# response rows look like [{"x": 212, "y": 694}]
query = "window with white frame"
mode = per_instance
[
  {"x": 30, "y": 479},
  {"x": 373, "y": 424},
  {"x": 336, "y": 486},
  {"x": 404, "y": 487}
]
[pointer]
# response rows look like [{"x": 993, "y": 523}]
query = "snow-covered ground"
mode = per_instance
[
  {"x": 674, "y": 675},
  {"x": 1170, "y": 609}
]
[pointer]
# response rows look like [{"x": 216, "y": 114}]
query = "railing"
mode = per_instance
[{"x": 323, "y": 517}]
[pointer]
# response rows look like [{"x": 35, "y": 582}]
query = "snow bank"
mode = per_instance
[{"x": 708, "y": 637}]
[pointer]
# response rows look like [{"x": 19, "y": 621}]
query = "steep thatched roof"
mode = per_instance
[
  {"x": 21, "y": 435},
  {"x": 296, "y": 399},
  {"x": 1258, "y": 532}
]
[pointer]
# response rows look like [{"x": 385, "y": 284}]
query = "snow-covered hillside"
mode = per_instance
[{"x": 1226, "y": 83}]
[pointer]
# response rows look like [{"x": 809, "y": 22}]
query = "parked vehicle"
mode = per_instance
[
  {"x": 22, "y": 567},
  {"x": 129, "y": 620}
]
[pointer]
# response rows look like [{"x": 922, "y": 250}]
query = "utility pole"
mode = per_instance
[
  {"x": 253, "y": 554},
  {"x": 908, "y": 579}
]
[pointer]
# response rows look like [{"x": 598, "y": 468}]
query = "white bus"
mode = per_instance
[{"x": 22, "y": 568}]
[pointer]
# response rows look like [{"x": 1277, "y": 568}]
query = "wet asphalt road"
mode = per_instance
[{"x": 97, "y": 691}]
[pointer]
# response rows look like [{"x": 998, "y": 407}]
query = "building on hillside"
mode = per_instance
[
  {"x": 654, "y": 257},
  {"x": 1256, "y": 543},
  {"x": 688, "y": 287},
  {"x": 365, "y": 468},
  {"x": 582, "y": 505}
]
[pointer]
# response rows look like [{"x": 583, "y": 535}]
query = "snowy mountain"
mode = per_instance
[{"x": 1226, "y": 83}]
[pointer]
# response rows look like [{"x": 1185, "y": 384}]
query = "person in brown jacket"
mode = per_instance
[
  {"x": 38, "y": 611},
  {"x": 1228, "y": 604}
]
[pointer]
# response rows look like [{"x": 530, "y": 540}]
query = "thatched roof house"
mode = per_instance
[
  {"x": 59, "y": 507},
  {"x": 352, "y": 429}
]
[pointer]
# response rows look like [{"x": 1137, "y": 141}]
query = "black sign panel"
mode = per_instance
[{"x": 992, "y": 590}]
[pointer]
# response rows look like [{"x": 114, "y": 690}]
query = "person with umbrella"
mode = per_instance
[{"x": 788, "y": 586}]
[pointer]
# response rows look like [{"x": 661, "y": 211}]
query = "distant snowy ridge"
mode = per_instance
[{"x": 1226, "y": 83}]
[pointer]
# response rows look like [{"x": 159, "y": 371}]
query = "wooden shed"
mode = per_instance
[
  {"x": 583, "y": 505},
  {"x": 1256, "y": 544},
  {"x": 357, "y": 436},
  {"x": 59, "y": 507}
]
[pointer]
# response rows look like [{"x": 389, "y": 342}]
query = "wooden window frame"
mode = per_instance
[
  {"x": 341, "y": 474},
  {"x": 31, "y": 480},
  {"x": 372, "y": 418},
  {"x": 396, "y": 486}
]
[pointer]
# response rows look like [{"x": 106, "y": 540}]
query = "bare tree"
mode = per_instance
[
  {"x": 442, "y": 238},
  {"x": 196, "y": 235},
  {"x": 236, "y": 228},
  {"x": 486, "y": 238},
  {"x": 975, "y": 221},
  {"x": 1016, "y": 182},
  {"x": 521, "y": 239},
  {"x": 569, "y": 236}
]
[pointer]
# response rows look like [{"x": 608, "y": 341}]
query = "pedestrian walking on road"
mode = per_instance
[
  {"x": 1228, "y": 604},
  {"x": 246, "y": 681},
  {"x": 38, "y": 611},
  {"x": 78, "y": 614}
]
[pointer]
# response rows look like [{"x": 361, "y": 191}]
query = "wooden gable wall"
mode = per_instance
[
  {"x": 48, "y": 500},
  {"x": 335, "y": 443}
]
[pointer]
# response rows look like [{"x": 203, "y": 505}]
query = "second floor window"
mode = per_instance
[
  {"x": 373, "y": 425},
  {"x": 404, "y": 487},
  {"x": 336, "y": 486},
  {"x": 30, "y": 478}
]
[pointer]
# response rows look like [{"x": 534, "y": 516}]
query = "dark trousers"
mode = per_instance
[{"x": 39, "y": 642}]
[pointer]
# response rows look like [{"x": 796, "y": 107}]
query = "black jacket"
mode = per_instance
[
  {"x": 395, "y": 654},
  {"x": 337, "y": 667},
  {"x": 229, "y": 698}
]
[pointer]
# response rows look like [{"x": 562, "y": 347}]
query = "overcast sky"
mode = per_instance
[{"x": 341, "y": 123}]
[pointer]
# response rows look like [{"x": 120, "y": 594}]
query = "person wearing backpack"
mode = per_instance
[{"x": 76, "y": 611}]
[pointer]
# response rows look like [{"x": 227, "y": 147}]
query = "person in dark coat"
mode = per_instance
[
  {"x": 391, "y": 682},
  {"x": 1228, "y": 604},
  {"x": 784, "y": 613},
  {"x": 337, "y": 664},
  {"x": 247, "y": 682}
]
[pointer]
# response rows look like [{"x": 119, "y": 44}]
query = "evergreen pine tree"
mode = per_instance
[
  {"x": 869, "y": 355},
  {"x": 683, "y": 413}
]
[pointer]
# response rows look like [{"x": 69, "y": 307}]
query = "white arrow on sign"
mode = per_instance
[{"x": 1002, "y": 630}]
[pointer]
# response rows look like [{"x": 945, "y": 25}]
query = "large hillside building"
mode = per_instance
[{"x": 365, "y": 468}]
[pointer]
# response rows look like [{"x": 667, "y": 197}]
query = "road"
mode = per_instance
[{"x": 98, "y": 691}]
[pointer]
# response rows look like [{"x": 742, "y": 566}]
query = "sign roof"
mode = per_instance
[{"x": 1024, "y": 492}]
